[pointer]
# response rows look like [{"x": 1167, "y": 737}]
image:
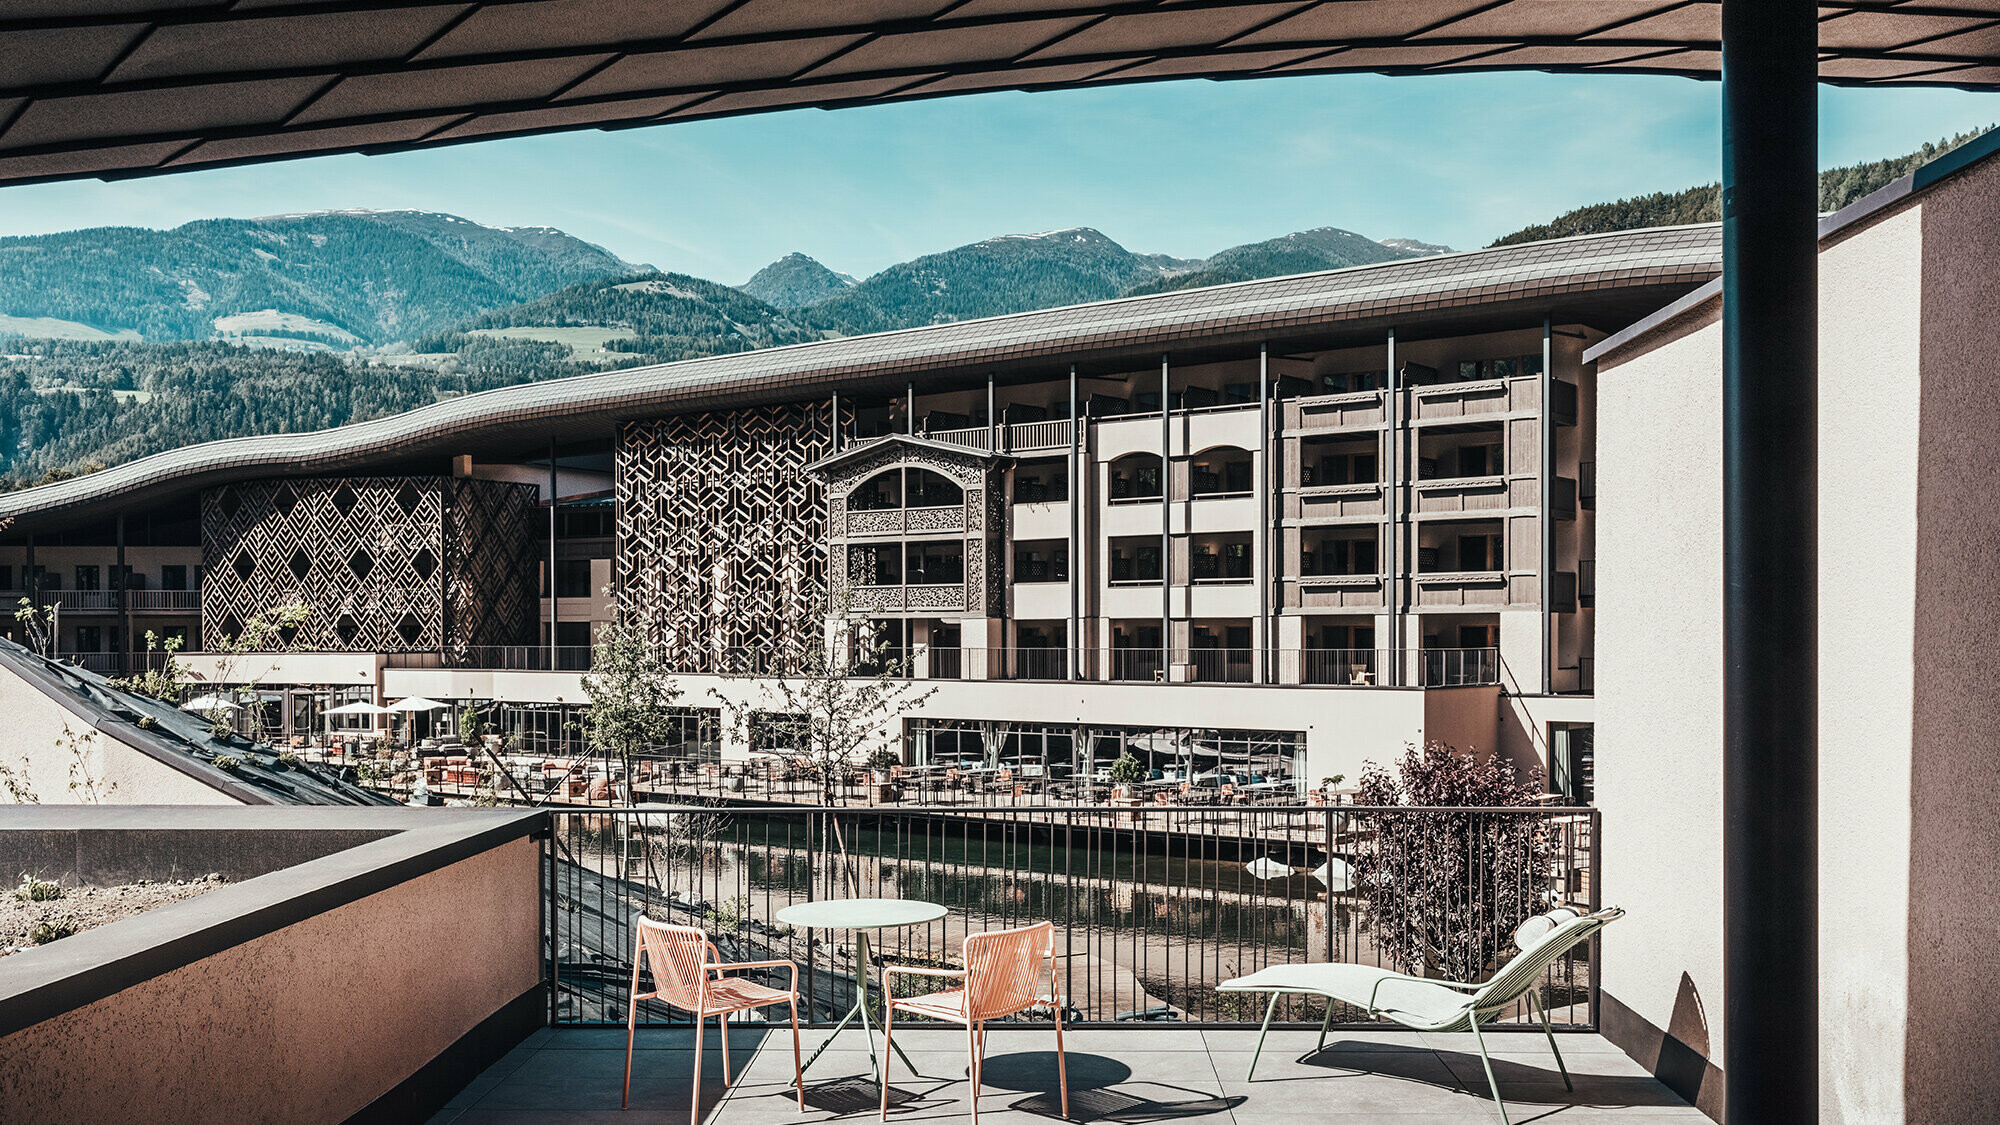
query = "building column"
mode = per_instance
[
  {"x": 1260, "y": 547},
  {"x": 1078, "y": 490},
  {"x": 1396, "y": 559},
  {"x": 121, "y": 584},
  {"x": 554, "y": 615},
  {"x": 1166, "y": 525},
  {"x": 1770, "y": 560},
  {"x": 1545, "y": 430}
]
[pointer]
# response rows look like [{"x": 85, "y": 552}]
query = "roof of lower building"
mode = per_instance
[
  {"x": 179, "y": 740},
  {"x": 1605, "y": 281},
  {"x": 114, "y": 88}
]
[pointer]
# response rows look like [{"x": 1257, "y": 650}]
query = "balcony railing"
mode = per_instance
[
  {"x": 86, "y": 601},
  {"x": 1020, "y": 437},
  {"x": 500, "y": 658},
  {"x": 1153, "y": 904},
  {"x": 1460, "y": 667},
  {"x": 165, "y": 601}
]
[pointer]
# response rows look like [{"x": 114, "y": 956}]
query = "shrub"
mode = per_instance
[
  {"x": 52, "y": 929},
  {"x": 288, "y": 761},
  {"x": 228, "y": 763},
  {"x": 884, "y": 760},
  {"x": 37, "y": 890},
  {"x": 1444, "y": 888}
]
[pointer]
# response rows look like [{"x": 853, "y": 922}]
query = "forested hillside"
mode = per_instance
[
  {"x": 1838, "y": 187},
  {"x": 332, "y": 278}
]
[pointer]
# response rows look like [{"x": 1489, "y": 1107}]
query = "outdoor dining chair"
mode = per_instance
[
  {"x": 1002, "y": 974},
  {"x": 688, "y": 974},
  {"x": 1426, "y": 1004}
]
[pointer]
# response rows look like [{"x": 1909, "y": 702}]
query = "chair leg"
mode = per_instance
[
  {"x": 798, "y": 1068},
  {"x": 722, "y": 1026},
  {"x": 888, "y": 1041},
  {"x": 1269, "y": 1009},
  {"x": 1487, "y": 1062},
  {"x": 1323, "y": 1025},
  {"x": 631, "y": 1022},
  {"x": 972, "y": 1068},
  {"x": 1062, "y": 1061},
  {"x": 694, "y": 1109},
  {"x": 1542, "y": 1010}
]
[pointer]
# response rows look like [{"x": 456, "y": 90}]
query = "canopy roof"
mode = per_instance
[{"x": 132, "y": 87}]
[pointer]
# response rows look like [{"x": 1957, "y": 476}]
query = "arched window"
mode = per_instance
[
  {"x": 878, "y": 493},
  {"x": 925, "y": 489},
  {"x": 1222, "y": 471},
  {"x": 1135, "y": 476},
  {"x": 905, "y": 487}
]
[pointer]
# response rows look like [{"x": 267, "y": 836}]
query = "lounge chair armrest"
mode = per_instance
[
  {"x": 911, "y": 970},
  {"x": 1372, "y": 1009},
  {"x": 780, "y": 963}
]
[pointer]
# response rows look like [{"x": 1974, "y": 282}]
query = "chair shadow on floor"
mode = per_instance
[
  {"x": 1535, "y": 1083},
  {"x": 1100, "y": 1089}
]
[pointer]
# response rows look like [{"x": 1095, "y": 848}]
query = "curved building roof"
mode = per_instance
[
  {"x": 1606, "y": 281},
  {"x": 133, "y": 87}
]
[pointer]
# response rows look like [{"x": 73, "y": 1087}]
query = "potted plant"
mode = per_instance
[
  {"x": 881, "y": 775},
  {"x": 1126, "y": 773}
]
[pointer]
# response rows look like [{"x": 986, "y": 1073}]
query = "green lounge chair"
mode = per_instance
[{"x": 1423, "y": 1004}]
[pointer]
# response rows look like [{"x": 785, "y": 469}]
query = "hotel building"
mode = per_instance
[{"x": 1313, "y": 518}]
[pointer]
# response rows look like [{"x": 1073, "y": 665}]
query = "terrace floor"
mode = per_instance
[{"x": 1128, "y": 1076}]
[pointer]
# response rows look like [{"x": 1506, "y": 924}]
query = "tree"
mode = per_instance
[
  {"x": 634, "y": 699},
  {"x": 267, "y": 632},
  {"x": 1445, "y": 887},
  {"x": 811, "y": 709},
  {"x": 163, "y": 679}
]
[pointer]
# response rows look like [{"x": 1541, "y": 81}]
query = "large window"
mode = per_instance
[
  {"x": 1041, "y": 482},
  {"x": 1338, "y": 554},
  {"x": 1073, "y": 762},
  {"x": 905, "y": 487},
  {"x": 1135, "y": 560},
  {"x": 1135, "y": 476},
  {"x": 1041, "y": 560},
  {"x": 935, "y": 563},
  {"x": 875, "y": 564},
  {"x": 1222, "y": 472}
]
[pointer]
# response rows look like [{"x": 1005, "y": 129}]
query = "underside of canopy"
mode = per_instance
[{"x": 113, "y": 88}]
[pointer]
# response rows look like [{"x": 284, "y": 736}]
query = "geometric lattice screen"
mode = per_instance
[
  {"x": 386, "y": 564},
  {"x": 722, "y": 532}
]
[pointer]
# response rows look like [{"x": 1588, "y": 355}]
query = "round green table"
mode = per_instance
[{"x": 859, "y": 916}]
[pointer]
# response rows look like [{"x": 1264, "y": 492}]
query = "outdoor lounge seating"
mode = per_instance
[
  {"x": 1002, "y": 975},
  {"x": 1424, "y": 1004},
  {"x": 688, "y": 974}
]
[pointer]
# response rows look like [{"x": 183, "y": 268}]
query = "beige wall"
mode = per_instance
[
  {"x": 310, "y": 1023},
  {"x": 1909, "y": 709},
  {"x": 36, "y": 740},
  {"x": 1659, "y": 692}
]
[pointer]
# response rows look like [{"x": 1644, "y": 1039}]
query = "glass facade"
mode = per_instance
[{"x": 1074, "y": 760}]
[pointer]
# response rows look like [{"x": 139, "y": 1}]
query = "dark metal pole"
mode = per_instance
[
  {"x": 1166, "y": 526},
  {"x": 1265, "y": 548},
  {"x": 120, "y": 582},
  {"x": 552, "y": 554},
  {"x": 1770, "y": 603},
  {"x": 1392, "y": 587},
  {"x": 1546, "y": 484},
  {"x": 1076, "y": 495}
]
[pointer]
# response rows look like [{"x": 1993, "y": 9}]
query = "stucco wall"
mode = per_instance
[
  {"x": 1952, "y": 1050},
  {"x": 36, "y": 739},
  {"x": 309, "y": 1023},
  {"x": 1659, "y": 699},
  {"x": 1870, "y": 306}
]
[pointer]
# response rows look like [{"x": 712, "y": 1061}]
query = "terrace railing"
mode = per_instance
[{"x": 1152, "y": 906}]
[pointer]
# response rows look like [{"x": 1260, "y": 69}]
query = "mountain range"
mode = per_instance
[
  {"x": 332, "y": 279},
  {"x": 116, "y": 342}
]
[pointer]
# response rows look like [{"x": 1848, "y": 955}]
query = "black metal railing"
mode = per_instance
[{"x": 1153, "y": 907}]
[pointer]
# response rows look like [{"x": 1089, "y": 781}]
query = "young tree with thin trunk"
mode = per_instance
[{"x": 634, "y": 698}]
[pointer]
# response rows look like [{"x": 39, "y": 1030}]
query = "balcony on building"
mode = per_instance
[{"x": 1461, "y": 562}]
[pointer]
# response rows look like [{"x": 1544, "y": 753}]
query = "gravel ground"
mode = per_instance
[{"x": 84, "y": 907}]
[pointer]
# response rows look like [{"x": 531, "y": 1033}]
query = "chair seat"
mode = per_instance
[
  {"x": 733, "y": 994},
  {"x": 946, "y": 1005},
  {"x": 1408, "y": 1001}
]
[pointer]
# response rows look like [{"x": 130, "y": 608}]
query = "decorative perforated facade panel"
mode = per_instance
[
  {"x": 722, "y": 531},
  {"x": 386, "y": 564}
]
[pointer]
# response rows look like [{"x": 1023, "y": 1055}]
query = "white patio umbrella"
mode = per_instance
[
  {"x": 359, "y": 707},
  {"x": 211, "y": 702},
  {"x": 417, "y": 703}
]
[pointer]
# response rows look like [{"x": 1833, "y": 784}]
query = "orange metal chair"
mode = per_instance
[
  {"x": 1003, "y": 969},
  {"x": 687, "y": 974}
]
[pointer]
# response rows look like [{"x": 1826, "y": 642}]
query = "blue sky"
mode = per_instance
[{"x": 1185, "y": 168}]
